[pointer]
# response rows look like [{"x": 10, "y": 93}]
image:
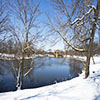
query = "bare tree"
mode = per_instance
[
  {"x": 24, "y": 16},
  {"x": 77, "y": 23}
]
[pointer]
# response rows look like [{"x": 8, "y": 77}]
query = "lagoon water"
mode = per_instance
[{"x": 46, "y": 71}]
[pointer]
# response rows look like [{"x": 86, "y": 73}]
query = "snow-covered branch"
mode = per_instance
[
  {"x": 68, "y": 42},
  {"x": 98, "y": 27},
  {"x": 86, "y": 14},
  {"x": 82, "y": 23}
]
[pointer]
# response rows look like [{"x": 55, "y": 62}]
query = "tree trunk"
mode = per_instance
[
  {"x": 93, "y": 60},
  {"x": 96, "y": 13},
  {"x": 22, "y": 72},
  {"x": 26, "y": 36},
  {"x": 87, "y": 64}
]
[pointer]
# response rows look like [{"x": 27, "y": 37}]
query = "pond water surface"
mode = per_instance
[{"x": 48, "y": 71}]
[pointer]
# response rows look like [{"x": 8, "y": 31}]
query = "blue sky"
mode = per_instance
[
  {"x": 46, "y": 7},
  {"x": 45, "y": 4}
]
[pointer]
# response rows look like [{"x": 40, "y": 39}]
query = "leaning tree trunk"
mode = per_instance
[{"x": 89, "y": 53}]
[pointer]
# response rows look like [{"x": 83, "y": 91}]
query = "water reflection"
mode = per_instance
[
  {"x": 75, "y": 67},
  {"x": 45, "y": 71}
]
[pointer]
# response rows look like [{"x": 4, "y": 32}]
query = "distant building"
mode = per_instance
[{"x": 57, "y": 54}]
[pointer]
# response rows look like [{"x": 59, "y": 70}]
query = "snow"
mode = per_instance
[{"x": 74, "y": 89}]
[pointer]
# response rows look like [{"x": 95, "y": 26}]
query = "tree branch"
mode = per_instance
[
  {"x": 86, "y": 14},
  {"x": 98, "y": 27},
  {"x": 68, "y": 42},
  {"x": 28, "y": 72},
  {"x": 84, "y": 39}
]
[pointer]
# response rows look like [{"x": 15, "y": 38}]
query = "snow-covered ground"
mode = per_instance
[{"x": 75, "y": 89}]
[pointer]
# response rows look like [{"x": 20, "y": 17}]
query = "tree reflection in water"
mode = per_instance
[
  {"x": 75, "y": 67},
  {"x": 9, "y": 72},
  {"x": 44, "y": 72}
]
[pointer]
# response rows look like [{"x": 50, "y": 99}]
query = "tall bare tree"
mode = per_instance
[
  {"x": 77, "y": 23},
  {"x": 24, "y": 16}
]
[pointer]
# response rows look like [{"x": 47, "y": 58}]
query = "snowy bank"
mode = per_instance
[{"x": 75, "y": 89}]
